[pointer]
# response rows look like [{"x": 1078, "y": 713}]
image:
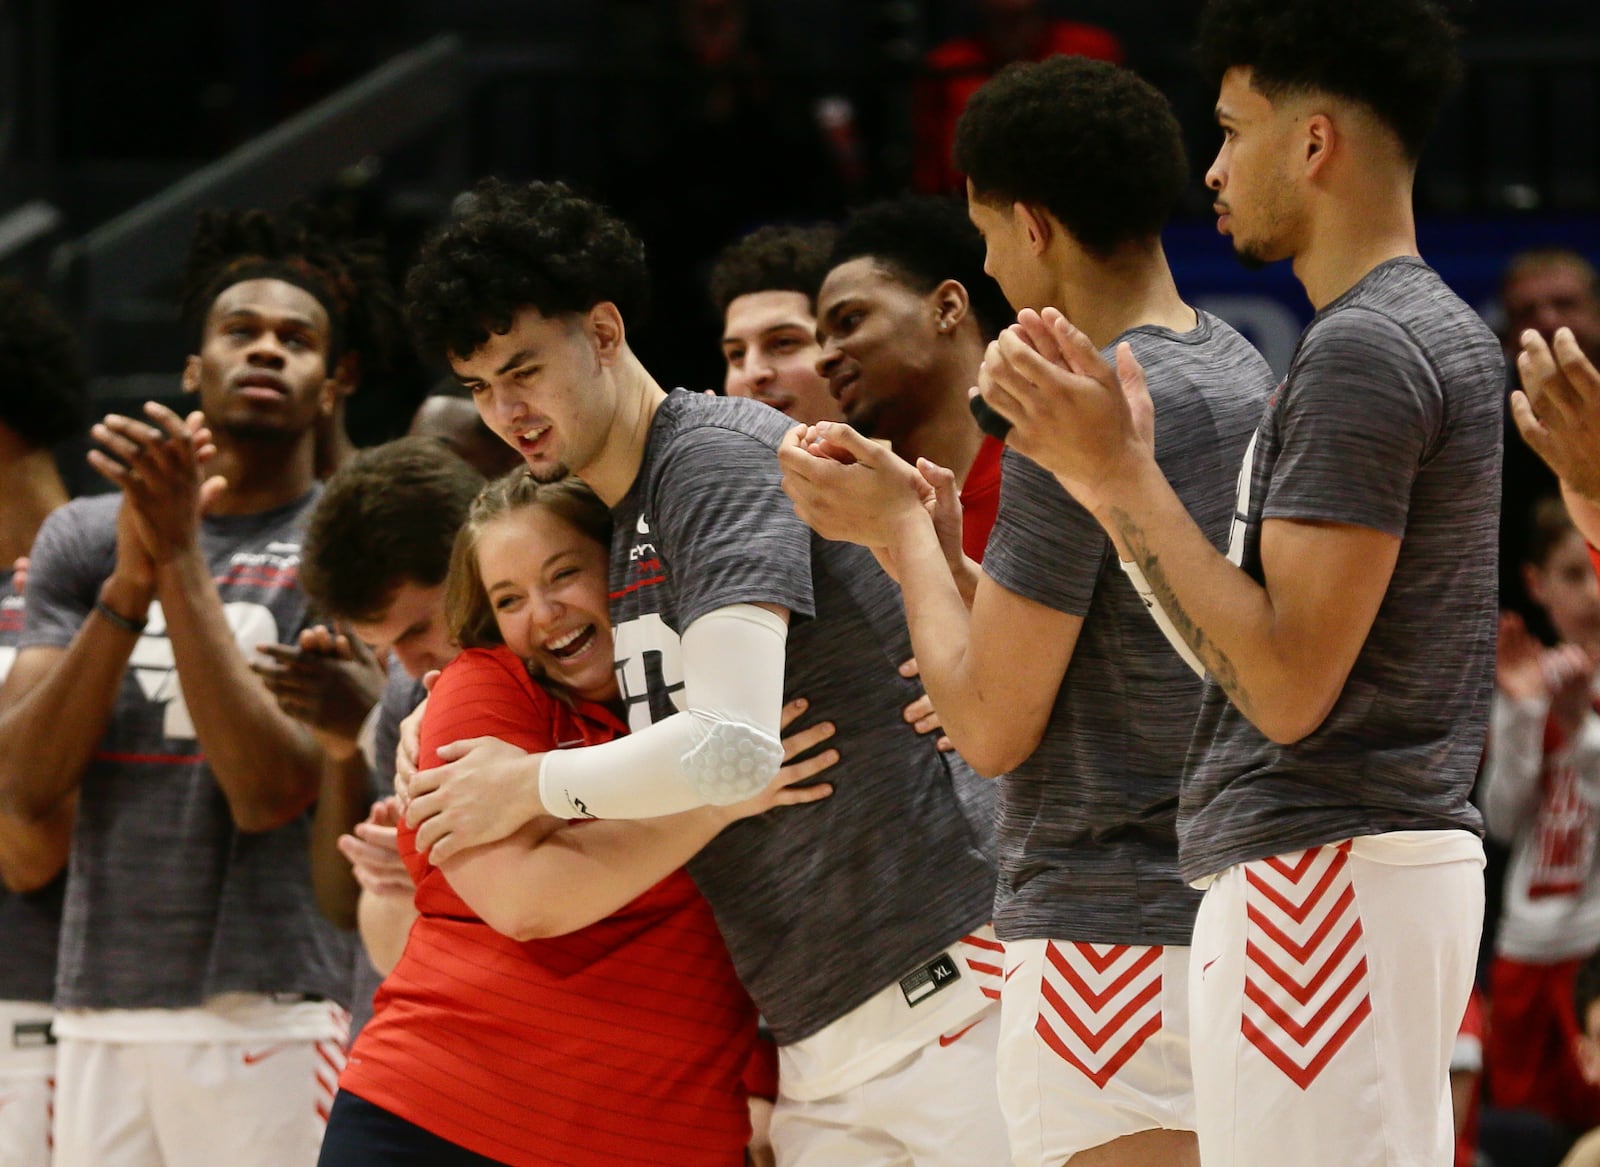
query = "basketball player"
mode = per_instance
[
  {"x": 1057, "y": 679},
  {"x": 197, "y": 982},
  {"x": 41, "y": 405},
  {"x": 1348, "y": 633},
  {"x": 851, "y": 920}
]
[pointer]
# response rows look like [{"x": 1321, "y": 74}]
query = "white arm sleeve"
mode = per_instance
[
  {"x": 1147, "y": 594},
  {"x": 721, "y": 749}
]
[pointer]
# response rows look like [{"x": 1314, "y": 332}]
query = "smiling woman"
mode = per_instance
[{"x": 522, "y": 944}]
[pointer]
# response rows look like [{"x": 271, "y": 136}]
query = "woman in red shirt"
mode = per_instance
[{"x": 564, "y": 996}]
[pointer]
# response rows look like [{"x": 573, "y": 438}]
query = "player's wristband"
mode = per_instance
[{"x": 118, "y": 620}]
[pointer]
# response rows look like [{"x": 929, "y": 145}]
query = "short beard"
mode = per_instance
[
  {"x": 549, "y": 474},
  {"x": 1249, "y": 258}
]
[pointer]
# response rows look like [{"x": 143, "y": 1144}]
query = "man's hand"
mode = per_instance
[
  {"x": 158, "y": 468},
  {"x": 484, "y": 791},
  {"x": 849, "y": 488},
  {"x": 1070, "y": 412},
  {"x": 1516, "y": 662},
  {"x": 329, "y": 681},
  {"x": 374, "y": 852},
  {"x": 1557, "y": 409},
  {"x": 921, "y": 714},
  {"x": 784, "y": 790}
]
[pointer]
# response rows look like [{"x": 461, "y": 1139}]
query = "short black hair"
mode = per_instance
[
  {"x": 313, "y": 249},
  {"x": 1586, "y": 989},
  {"x": 925, "y": 240},
  {"x": 540, "y": 245},
  {"x": 43, "y": 393},
  {"x": 1092, "y": 143},
  {"x": 1396, "y": 57},
  {"x": 778, "y": 258},
  {"x": 387, "y": 517}
]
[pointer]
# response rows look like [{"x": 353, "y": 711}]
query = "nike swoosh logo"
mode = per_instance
[
  {"x": 251, "y": 1059},
  {"x": 1207, "y": 965},
  {"x": 1013, "y": 972},
  {"x": 948, "y": 1039}
]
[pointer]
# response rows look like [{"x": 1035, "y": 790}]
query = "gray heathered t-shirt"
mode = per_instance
[
  {"x": 30, "y": 924},
  {"x": 1088, "y": 842},
  {"x": 168, "y": 903},
  {"x": 821, "y": 905},
  {"x": 1390, "y": 419}
]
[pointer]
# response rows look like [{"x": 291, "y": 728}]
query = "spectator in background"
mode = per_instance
[
  {"x": 448, "y": 416},
  {"x": 1543, "y": 290},
  {"x": 1541, "y": 795},
  {"x": 1558, "y": 414},
  {"x": 1007, "y": 30},
  {"x": 1586, "y": 1019},
  {"x": 903, "y": 316},
  {"x": 41, "y": 405},
  {"x": 197, "y": 986},
  {"x": 764, "y": 287}
]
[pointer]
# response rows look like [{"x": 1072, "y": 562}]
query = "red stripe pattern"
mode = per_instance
[
  {"x": 1099, "y": 1003},
  {"x": 1306, "y": 989},
  {"x": 983, "y": 955}
]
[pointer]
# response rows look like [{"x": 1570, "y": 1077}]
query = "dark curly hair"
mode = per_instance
[
  {"x": 1396, "y": 57},
  {"x": 312, "y": 249},
  {"x": 542, "y": 246},
  {"x": 773, "y": 259},
  {"x": 388, "y": 516},
  {"x": 925, "y": 240},
  {"x": 1114, "y": 166},
  {"x": 43, "y": 393}
]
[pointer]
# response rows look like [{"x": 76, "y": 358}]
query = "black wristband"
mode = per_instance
[{"x": 118, "y": 620}]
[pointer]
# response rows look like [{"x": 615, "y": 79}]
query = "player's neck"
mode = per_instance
[
  {"x": 944, "y": 432},
  {"x": 32, "y": 488},
  {"x": 1348, "y": 237},
  {"x": 1134, "y": 287},
  {"x": 611, "y": 473},
  {"x": 262, "y": 473}
]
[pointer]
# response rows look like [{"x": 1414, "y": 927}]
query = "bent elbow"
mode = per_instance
[
  {"x": 22, "y": 878},
  {"x": 994, "y": 757},
  {"x": 731, "y": 761}
]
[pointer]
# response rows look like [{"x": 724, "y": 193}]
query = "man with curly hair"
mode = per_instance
[
  {"x": 1057, "y": 680},
  {"x": 858, "y": 923},
  {"x": 197, "y": 982},
  {"x": 1348, "y": 629},
  {"x": 41, "y": 405},
  {"x": 764, "y": 287}
]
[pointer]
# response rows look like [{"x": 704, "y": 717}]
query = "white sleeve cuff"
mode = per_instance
[{"x": 1147, "y": 594}]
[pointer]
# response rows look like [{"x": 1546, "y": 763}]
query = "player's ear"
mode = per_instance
[{"x": 606, "y": 331}]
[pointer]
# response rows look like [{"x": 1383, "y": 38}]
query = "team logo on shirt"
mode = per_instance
[
  {"x": 156, "y": 672},
  {"x": 648, "y": 658}
]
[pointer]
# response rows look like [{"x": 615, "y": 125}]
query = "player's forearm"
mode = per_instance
[
  {"x": 1512, "y": 765},
  {"x": 940, "y": 623},
  {"x": 536, "y": 884},
  {"x": 1585, "y": 513},
  {"x": 342, "y": 802},
  {"x": 1223, "y": 615},
  {"x": 73, "y": 691},
  {"x": 384, "y": 922},
  {"x": 32, "y": 854},
  {"x": 266, "y": 763}
]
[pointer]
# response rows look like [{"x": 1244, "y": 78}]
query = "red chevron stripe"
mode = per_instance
[
  {"x": 987, "y": 970},
  {"x": 1101, "y": 963},
  {"x": 1293, "y": 873},
  {"x": 1301, "y": 912},
  {"x": 1098, "y": 1001},
  {"x": 1096, "y": 1039},
  {"x": 1107, "y": 1071},
  {"x": 1304, "y": 1076},
  {"x": 1287, "y": 982},
  {"x": 984, "y": 942},
  {"x": 1304, "y": 1035},
  {"x": 1304, "y": 952}
]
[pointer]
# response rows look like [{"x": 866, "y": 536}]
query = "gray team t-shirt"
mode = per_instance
[
  {"x": 821, "y": 905},
  {"x": 167, "y": 902},
  {"x": 1088, "y": 824},
  {"x": 30, "y": 924},
  {"x": 1390, "y": 419}
]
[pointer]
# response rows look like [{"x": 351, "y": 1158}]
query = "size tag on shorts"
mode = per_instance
[
  {"x": 31, "y": 1035},
  {"x": 937, "y": 974}
]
